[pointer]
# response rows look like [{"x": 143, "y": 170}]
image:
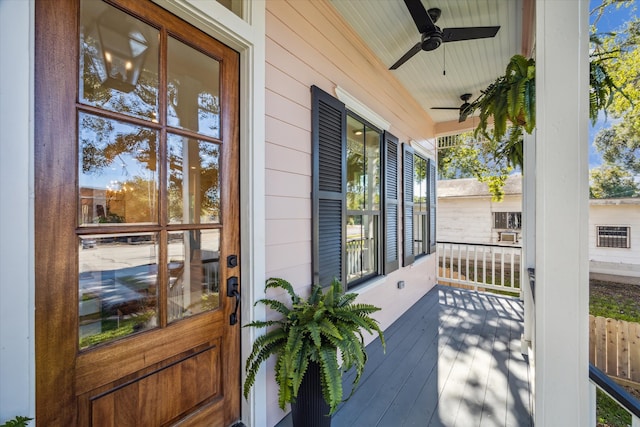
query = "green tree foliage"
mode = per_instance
[
  {"x": 476, "y": 158},
  {"x": 510, "y": 102},
  {"x": 17, "y": 422},
  {"x": 620, "y": 143},
  {"x": 612, "y": 181}
]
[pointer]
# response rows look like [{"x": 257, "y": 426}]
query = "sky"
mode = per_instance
[{"x": 612, "y": 20}]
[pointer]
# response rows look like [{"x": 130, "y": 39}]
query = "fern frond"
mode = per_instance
[
  {"x": 346, "y": 299},
  {"x": 331, "y": 383},
  {"x": 283, "y": 379},
  {"x": 275, "y": 305},
  {"x": 329, "y": 329},
  {"x": 262, "y": 323},
  {"x": 316, "y": 294},
  {"x": 260, "y": 353},
  {"x": 283, "y": 284}
]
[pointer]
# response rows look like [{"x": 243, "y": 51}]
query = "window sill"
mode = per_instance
[{"x": 368, "y": 285}]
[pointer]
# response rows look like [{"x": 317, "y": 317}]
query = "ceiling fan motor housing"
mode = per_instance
[{"x": 432, "y": 41}]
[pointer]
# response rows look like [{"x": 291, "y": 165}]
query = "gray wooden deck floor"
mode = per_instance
[{"x": 453, "y": 359}]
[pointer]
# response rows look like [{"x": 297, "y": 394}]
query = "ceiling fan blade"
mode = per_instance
[
  {"x": 468, "y": 33},
  {"x": 415, "y": 49},
  {"x": 420, "y": 16}
]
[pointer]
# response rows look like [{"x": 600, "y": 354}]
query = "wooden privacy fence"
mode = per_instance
[{"x": 614, "y": 347}]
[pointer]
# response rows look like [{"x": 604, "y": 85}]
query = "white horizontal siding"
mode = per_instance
[
  {"x": 470, "y": 219},
  {"x": 612, "y": 260}
]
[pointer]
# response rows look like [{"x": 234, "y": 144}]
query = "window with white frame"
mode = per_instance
[
  {"x": 420, "y": 176},
  {"x": 355, "y": 195},
  {"x": 613, "y": 236},
  {"x": 363, "y": 199}
]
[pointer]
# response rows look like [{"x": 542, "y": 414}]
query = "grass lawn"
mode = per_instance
[{"x": 614, "y": 300}]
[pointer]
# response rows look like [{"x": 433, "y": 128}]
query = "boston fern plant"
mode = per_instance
[
  {"x": 510, "y": 101},
  {"x": 313, "y": 330}
]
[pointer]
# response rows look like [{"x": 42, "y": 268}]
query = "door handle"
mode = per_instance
[{"x": 233, "y": 292}]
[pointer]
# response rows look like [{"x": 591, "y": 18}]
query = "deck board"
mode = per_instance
[{"x": 453, "y": 359}]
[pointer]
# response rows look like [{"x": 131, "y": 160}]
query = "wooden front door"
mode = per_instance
[{"x": 137, "y": 218}]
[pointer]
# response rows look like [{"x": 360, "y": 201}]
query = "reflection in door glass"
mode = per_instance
[
  {"x": 118, "y": 179},
  {"x": 118, "y": 61},
  {"x": 193, "y": 181},
  {"x": 193, "y": 90},
  {"x": 194, "y": 280},
  {"x": 117, "y": 286}
]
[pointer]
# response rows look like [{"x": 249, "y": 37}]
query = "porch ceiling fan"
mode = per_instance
[
  {"x": 465, "y": 97},
  {"x": 432, "y": 36}
]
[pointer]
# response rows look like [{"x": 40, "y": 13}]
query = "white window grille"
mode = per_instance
[
  {"x": 613, "y": 236},
  {"x": 507, "y": 220}
]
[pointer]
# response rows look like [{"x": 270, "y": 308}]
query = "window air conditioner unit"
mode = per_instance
[{"x": 508, "y": 237}]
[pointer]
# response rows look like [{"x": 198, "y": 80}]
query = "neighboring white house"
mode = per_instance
[
  {"x": 614, "y": 236},
  {"x": 466, "y": 211}
]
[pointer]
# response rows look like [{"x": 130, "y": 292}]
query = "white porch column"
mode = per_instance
[
  {"x": 528, "y": 258},
  {"x": 562, "y": 269}
]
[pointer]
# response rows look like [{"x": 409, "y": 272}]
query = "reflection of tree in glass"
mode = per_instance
[
  {"x": 209, "y": 181},
  {"x": 104, "y": 142},
  {"x": 132, "y": 201},
  {"x": 355, "y": 171},
  {"x": 100, "y": 148}
]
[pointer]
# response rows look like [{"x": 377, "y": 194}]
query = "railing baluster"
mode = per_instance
[
  {"x": 475, "y": 264},
  {"x": 462, "y": 257},
  {"x": 501, "y": 266},
  {"x": 484, "y": 265},
  {"x": 466, "y": 262},
  {"x": 513, "y": 270}
]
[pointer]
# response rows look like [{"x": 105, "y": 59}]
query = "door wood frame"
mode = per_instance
[{"x": 55, "y": 185}]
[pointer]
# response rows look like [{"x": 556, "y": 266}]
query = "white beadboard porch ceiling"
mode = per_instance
[{"x": 386, "y": 26}]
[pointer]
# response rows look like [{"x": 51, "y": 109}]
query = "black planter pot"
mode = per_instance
[{"x": 310, "y": 408}]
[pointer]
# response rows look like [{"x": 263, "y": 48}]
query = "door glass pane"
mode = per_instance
[
  {"x": 419, "y": 184},
  {"x": 356, "y": 177},
  {"x": 372, "y": 169},
  {"x": 194, "y": 181},
  {"x": 118, "y": 61},
  {"x": 193, "y": 273},
  {"x": 117, "y": 172},
  {"x": 193, "y": 90},
  {"x": 117, "y": 286}
]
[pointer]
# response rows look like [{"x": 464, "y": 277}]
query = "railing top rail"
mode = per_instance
[
  {"x": 614, "y": 390},
  {"x": 532, "y": 282},
  {"x": 480, "y": 244}
]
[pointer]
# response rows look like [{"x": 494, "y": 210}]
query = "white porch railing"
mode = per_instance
[
  {"x": 600, "y": 380},
  {"x": 485, "y": 267}
]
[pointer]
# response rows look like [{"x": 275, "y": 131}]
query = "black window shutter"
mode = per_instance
[
  {"x": 390, "y": 203},
  {"x": 328, "y": 124},
  {"x": 432, "y": 206},
  {"x": 408, "y": 255}
]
